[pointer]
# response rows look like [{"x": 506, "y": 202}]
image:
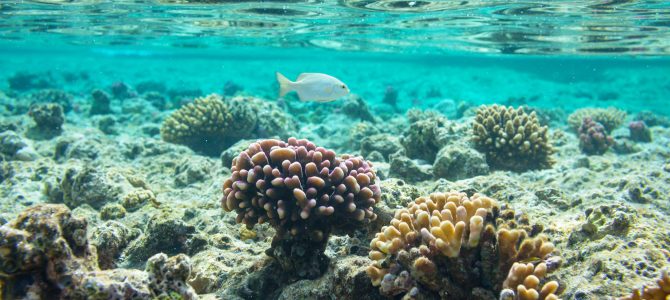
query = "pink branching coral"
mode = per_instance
[{"x": 305, "y": 192}]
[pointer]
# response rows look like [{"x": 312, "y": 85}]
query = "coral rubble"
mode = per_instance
[
  {"x": 512, "y": 139},
  {"x": 463, "y": 247},
  {"x": 306, "y": 193}
]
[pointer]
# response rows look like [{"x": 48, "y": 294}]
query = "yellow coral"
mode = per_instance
[
  {"x": 512, "y": 139},
  {"x": 659, "y": 291},
  {"x": 453, "y": 229}
]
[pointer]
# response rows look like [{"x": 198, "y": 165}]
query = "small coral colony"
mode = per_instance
[{"x": 447, "y": 244}]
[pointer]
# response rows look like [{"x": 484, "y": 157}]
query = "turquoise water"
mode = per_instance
[{"x": 421, "y": 68}]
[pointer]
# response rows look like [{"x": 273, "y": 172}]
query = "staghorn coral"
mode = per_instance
[
  {"x": 210, "y": 124},
  {"x": 610, "y": 117},
  {"x": 661, "y": 290},
  {"x": 306, "y": 193},
  {"x": 464, "y": 247},
  {"x": 593, "y": 138},
  {"x": 512, "y": 139}
]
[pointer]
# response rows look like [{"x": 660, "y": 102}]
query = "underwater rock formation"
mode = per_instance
[
  {"x": 426, "y": 135},
  {"x": 46, "y": 245},
  {"x": 22, "y": 81},
  {"x": 593, "y": 137},
  {"x": 463, "y": 247},
  {"x": 652, "y": 119},
  {"x": 48, "y": 118},
  {"x": 610, "y": 118},
  {"x": 383, "y": 143},
  {"x": 110, "y": 238},
  {"x": 306, "y": 193},
  {"x": 165, "y": 232},
  {"x": 92, "y": 186},
  {"x": 52, "y": 96},
  {"x": 355, "y": 107},
  {"x": 511, "y": 139},
  {"x": 13, "y": 147},
  {"x": 100, "y": 104},
  {"x": 639, "y": 132},
  {"x": 211, "y": 124},
  {"x": 122, "y": 91},
  {"x": 401, "y": 166},
  {"x": 459, "y": 161}
]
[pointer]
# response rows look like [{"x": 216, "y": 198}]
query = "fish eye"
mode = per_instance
[{"x": 343, "y": 86}]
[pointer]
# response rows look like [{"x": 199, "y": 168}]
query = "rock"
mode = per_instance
[
  {"x": 191, "y": 170},
  {"x": 383, "y": 143},
  {"x": 459, "y": 161},
  {"x": 93, "y": 186},
  {"x": 110, "y": 238},
  {"x": 407, "y": 169},
  {"x": 160, "y": 235}
]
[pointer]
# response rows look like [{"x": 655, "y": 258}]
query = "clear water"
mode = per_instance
[{"x": 547, "y": 54}]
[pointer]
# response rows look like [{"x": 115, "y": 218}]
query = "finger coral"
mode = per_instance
[
  {"x": 593, "y": 137},
  {"x": 610, "y": 118},
  {"x": 464, "y": 247},
  {"x": 209, "y": 124},
  {"x": 661, "y": 290},
  {"x": 512, "y": 139},
  {"x": 305, "y": 192}
]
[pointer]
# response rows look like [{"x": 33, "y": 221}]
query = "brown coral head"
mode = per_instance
[{"x": 296, "y": 187}]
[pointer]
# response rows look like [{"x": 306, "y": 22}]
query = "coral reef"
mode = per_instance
[
  {"x": 391, "y": 96},
  {"x": 91, "y": 186},
  {"x": 231, "y": 88},
  {"x": 401, "y": 166},
  {"x": 639, "y": 132},
  {"x": 13, "y": 147},
  {"x": 211, "y": 124},
  {"x": 355, "y": 107},
  {"x": 383, "y": 143},
  {"x": 48, "y": 118},
  {"x": 47, "y": 246},
  {"x": 159, "y": 236},
  {"x": 610, "y": 118},
  {"x": 52, "y": 96},
  {"x": 652, "y": 119},
  {"x": 306, "y": 193},
  {"x": 110, "y": 238},
  {"x": 512, "y": 139},
  {"x": 464, "y": 247},
  {"x": 593, "y": 138},
  {"x": 459, "y": 161},
  {"x": 22, "y": 81},
  {"x": 100, "y": 104},
  {"x": 425, "y": 136},
  {"x": 660, "y": 290},
  {"x": 122, "y": 91}
]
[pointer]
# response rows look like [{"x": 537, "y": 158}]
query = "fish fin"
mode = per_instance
[
  {"x": 284, "y": 84},
  {"x": 303, "y": 75}
]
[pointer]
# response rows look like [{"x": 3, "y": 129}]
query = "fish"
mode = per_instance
[{"x": 316, "y": 87}]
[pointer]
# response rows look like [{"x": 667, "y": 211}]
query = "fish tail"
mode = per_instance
[{"x": 284, "y": 84}]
